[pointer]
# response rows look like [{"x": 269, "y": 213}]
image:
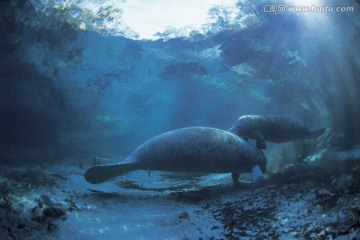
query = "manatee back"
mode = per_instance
[
  {"x": 282, "y": 128},
  {"x": 197, "y": 149},
  {"x": 274, "y": 128}
]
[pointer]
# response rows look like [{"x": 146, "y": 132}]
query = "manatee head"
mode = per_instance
[{"x": 239, "y": 128}]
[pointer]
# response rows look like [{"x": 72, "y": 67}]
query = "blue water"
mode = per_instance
[
  {"x": 108, "y": 93},
  {"x": 64, "y": 90}
]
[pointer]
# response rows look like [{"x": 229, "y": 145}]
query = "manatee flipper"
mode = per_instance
[
  {"x": 260, "y": 141},
  {"x": 235, "y": 178},
  {"x": 257, "y": 176},
  {"x": 103, "y": 173},
  {"x": 316, "y": 133}
]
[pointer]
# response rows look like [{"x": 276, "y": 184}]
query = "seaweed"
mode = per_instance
[
  {"x": 183, "y": 69},
  {"x": 6, "y": 198}
]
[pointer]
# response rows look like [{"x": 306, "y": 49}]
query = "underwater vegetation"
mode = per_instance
[
  {"x": 345, "y": 114},
  {"x": 21, "y": 212},
  {"x": 183, "y": 70}
]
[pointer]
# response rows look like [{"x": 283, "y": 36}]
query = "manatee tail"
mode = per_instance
[
  {"x": 316, "y": 133},
  {"x": 104, "y": 173}
]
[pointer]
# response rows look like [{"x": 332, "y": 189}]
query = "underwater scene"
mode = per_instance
[{"x": 135, "y": 119}]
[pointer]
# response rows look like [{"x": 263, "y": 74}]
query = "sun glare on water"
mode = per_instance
[
  {"x": 313, "y": 12},
  {"x": 148, "y": 18}
]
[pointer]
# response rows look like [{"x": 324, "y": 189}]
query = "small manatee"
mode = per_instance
[{"x": 272, "y": 128}]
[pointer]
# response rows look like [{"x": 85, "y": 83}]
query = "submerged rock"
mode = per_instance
[
  {"x": 55, "y": 212},
  {"x": 19, "y": 217},
  {"x": 302, "y": 201}
]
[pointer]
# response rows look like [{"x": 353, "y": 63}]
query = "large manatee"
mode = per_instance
[
  {"x": 193, "y": 149},
  {"x": 272, "y": 128}
]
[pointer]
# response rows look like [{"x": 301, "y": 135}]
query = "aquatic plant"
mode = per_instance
[
  {"x": 6, "y": 198},
  {"x": 342, "y": 97},
  {"x": 183, "y": 69}
]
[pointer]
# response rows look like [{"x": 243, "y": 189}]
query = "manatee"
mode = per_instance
[
  {"x": 272, "y": 128},
  {"x": 193, "y": 149}
]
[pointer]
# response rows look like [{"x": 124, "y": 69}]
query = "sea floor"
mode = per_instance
[{"x": 302, "y": 201}]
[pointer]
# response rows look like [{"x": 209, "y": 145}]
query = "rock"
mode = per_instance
[
  {"x": 45, "y": 199},
  {"x": 54, "y": 212},
  {"x": 184, "y": 215}
]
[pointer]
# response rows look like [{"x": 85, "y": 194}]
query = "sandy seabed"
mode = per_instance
[{"x": 303, "y": 201}]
